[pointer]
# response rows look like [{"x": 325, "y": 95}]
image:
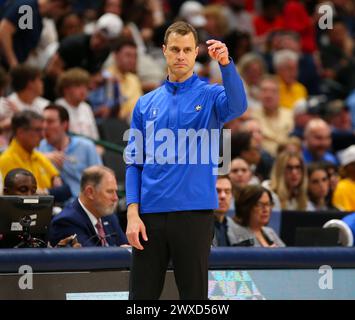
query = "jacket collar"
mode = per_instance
[{"x": 180, "y": 86}]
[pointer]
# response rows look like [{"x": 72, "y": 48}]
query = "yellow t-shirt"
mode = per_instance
[
  {"x": 130, "y": 89},
  {"x": 17, "y": 157},
  {"x": 289, "y": 95},
  {"x": 343, "y": 197}
]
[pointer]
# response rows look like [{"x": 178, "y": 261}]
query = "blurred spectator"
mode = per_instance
[
  {"x": 236, "y": 124},
  {"x": 68, "y": 25},
  {"x": 292, "y": 92},
  {"x": 241, "y": 175},
  {"x": 253, "y": 126},
  {"x": 239, "y": 19},
  {"x": 27, "y": 127},
  {"x": 343, "y": 197},
  {"x": 17, "y": 40},
  {"x": 337, "y": 115},
  {"x": 86, "y": 51},
  {"x": 124, "y": 70},
  {"x": 70, "y": 155},
  {"x": 252, "y": 69},
  {"x": 246, "y": 147},
  {"x": 27, "y": 84},
  {"x": 318, "y": 188},
  {"x": 216, "y": 22},
  {"x": 289, "y": 181},
  {"x": 308, "y": 64},
  {"x": 276, "y": 123},
  {"x": 104, "y": 95},
  {"x": 267, "y": 21},
  {"x": 239, "y": 44},
  {"x": 333, "y": 175},
  {"x": 73, "y": 88},
  {"x": 338, "y": 56},
  {"x": 317, "y": 142},
  {"x": 113, "y": 6},
  {"x": 253, "y": 210},
  {"x": 292, "y": 144},
  {"x": 224, "y": 226},
  {"x": 192, "y": 12},
  {"x": 297, "y": 19}
]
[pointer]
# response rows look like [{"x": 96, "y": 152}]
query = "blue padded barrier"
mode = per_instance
[{"x": 89, "y": 259}]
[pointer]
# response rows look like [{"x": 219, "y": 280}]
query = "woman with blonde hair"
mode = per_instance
[{"x": 289, "y": 181}]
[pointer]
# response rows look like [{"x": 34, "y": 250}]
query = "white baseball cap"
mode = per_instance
[
  {"x": 109, "y": 24},
  {"x": 191, "y": 11},
  {"x": 347, "y": 156}
]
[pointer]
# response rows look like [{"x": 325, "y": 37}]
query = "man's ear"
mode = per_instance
[
  {"x": 90, "y": 192},
  {"x": 196, "y": 51},
  {"x": 164, "y": 49}
]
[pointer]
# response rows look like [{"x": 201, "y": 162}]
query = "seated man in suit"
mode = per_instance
[
  {"x": 91, "y": 216},
  {"x": 224, "y": 226}
]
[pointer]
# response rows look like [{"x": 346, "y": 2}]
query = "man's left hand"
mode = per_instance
[{"x": 218, "y": 51}]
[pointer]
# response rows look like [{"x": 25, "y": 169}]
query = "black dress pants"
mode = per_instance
[{"x": 184, "y": 238}]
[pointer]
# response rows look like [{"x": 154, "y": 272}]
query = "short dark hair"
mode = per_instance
[
  {"x": 240, "y": 141},
  {"x": 122, "y": 42},
  {"x": 245, "y": 201},
  {"x": 62, "y": 112},
  {"x": 182, "y": 28},
  {"x": 93, "y": 175},
  {"x": 21, "y": 75},
  {"x": 23, "y": 119},
  {"x": 9, "y": 180}
]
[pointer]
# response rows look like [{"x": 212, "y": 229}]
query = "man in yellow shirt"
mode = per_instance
[
  {"x": 292, "y": 92},
  {"x": 343, "y": 197},
  {"x": 124, "y": 68},
  {"x": 27, "y": 127}
]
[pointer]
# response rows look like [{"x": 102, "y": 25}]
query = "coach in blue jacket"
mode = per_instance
[
  {"x": 91, "y": 216},
  {"x": 170, "y": 185}
]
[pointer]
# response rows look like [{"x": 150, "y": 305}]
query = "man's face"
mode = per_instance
[
  {"x": 30, "y": 137},
  {"x": 318, "y": 141},
  {"x": 126, "y": 59},
  {"x": 224, "y": 190},
  {"x": 54, "y": 130},
  {"x": 269, "y": 95},
  {"x": 105, "y": 195},
  {"x": 23, "y": 186},
  {"x": 180, "y": 53}
]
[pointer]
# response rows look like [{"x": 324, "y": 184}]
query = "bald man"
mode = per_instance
[
  {"x": 91, "y": 216},
  {"x": 317, "y": 142}
]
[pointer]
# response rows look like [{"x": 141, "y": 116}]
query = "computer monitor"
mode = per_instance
[
  {"x": 293, "y": 223},
  {"x": 24, "y": 220}
]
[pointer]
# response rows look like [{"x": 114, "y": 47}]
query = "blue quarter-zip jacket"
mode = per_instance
[{"x": 192, "y": 104}]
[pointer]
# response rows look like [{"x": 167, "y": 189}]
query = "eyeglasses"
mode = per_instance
[
  {"x": 264, "y": 205},
  {"x": 296, "y": 167}
]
